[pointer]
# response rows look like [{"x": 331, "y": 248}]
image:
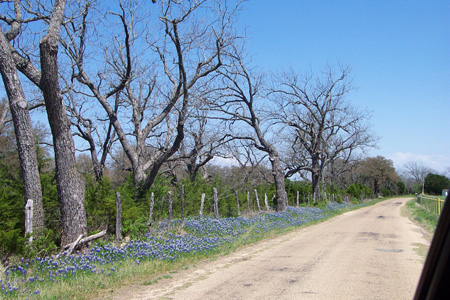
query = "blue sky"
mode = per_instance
[{"x": 399, "y": 53}]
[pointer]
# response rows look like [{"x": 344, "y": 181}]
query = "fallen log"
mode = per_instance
[
  {"x": 74, "y": 244},
  {"x": 86, "y": 239}
]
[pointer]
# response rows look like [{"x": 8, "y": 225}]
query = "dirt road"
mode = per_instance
[{"x": 370, "y": 253}]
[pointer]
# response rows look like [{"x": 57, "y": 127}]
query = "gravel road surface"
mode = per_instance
[{"x": 370, "y": 253}]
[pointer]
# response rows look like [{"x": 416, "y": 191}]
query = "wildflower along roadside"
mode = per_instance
[{"x": 30, "y": 278}]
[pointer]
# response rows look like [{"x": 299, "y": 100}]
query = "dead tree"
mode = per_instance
[
  {"x": 324, "y": 126},
  {"x": 238, "y": 94},
  {"x": 153, "y": 89}
]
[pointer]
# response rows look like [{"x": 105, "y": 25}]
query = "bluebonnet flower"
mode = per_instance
[{"x": 201, "y": 236}]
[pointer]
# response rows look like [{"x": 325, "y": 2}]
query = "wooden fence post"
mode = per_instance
[
  {"x": 266, "y": 202},
  {"x": 152, "y": 203},
  {"x": 182, "y": 206},
  {"x": 29, "y": 219},
  {"x": 118, "y": 217},
  {"x": 237, "y": 203},
  {"x": 248, "y": 201},
  {"x": 200, "y": 214},
  {"x": 216, "y": 205},
  {"x": 169, "y": 217},
  {"x": 298, "y": 198},
  {"x": 257, "y": 200}
]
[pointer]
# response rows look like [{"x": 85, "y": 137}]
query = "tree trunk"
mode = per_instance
[
  {"x": 69, "y": 183},
  {"x": 24, "y": 134},
  {"x": 278, "y": 176}
]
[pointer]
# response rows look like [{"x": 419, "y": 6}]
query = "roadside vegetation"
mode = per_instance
[
  {"x": 155, "y": 256},
  {"x": 422, "y": 216}
]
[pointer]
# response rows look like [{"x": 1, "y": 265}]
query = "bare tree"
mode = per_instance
[
  {"x": 152, "y": 86},
  {"x": 416, "y": 172},
  {"x": 240, "y": 103},
  {"x": 69, "y": 183},
  {"x": 205, "y": 139},
  {"x": 252, "y": 162},
  {"x": 21, "y": 118},
  {"x": 324, "y": 126},
  {"x": 88, "y": 130}
]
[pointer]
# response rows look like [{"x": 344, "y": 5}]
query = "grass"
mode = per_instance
[
  {"x": 421, "y": 215},
  {"x": 154, "y": 257}
]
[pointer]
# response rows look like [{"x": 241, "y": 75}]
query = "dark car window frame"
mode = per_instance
[{"x": 434, "y": 282}]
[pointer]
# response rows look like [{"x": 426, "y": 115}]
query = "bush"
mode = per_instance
[
  {"x": 11, "y": 242},
  {"x": 434, "y": 184},
  {"x": 386, "y": 192},
  {"x": 358, "y": 190}
]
